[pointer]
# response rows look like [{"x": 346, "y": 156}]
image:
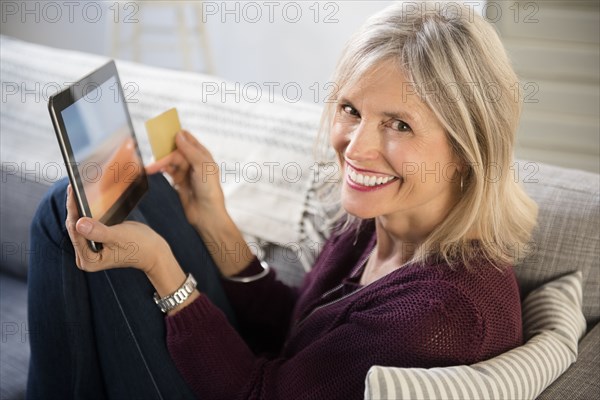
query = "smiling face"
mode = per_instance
[{"x": 395, "y": 157}]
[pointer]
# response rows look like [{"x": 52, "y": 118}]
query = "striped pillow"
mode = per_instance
[{"x": 553, "y": 323}]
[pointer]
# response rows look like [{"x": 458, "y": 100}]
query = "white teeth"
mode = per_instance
[
  {"x": 367, "y": 180},
  {"x": 352, "y": 175}
]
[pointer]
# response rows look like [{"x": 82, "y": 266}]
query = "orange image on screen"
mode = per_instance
[{"x": 109, "y": 171}]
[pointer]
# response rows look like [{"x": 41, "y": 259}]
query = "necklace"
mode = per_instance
[
  {"x": 365, "y": 264},
  {"x": 360, "y": 268}
]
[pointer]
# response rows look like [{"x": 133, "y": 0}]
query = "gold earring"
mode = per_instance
[{"x": 461, "y": 183}]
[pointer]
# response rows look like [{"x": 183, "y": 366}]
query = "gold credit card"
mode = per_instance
[{"x": 161, "y": 133}]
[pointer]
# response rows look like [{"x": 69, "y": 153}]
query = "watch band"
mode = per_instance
[{"x": 171, "y": 301}]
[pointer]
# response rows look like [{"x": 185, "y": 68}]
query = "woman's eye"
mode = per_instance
[
  {"x": 400, "y": 126},
  {"x": 349, "y": 110}
]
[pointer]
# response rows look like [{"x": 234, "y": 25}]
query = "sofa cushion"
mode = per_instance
[
  {"x": 553, "y": 321},
  {"x": 19, "y": 199},
  {"x": 580, "y": 382},
  {"x": 14, "y": 343},
  {"x": 567, "y": 237}
]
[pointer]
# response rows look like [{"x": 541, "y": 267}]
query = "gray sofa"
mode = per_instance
[{"x": 567, "y": 238}]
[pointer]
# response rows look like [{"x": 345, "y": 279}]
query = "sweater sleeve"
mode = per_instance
[
  {"x": 217, "y": 363},
  {"x": 263, "y": 308}
]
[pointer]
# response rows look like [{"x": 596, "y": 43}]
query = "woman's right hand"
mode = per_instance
[{"x": 195, "y": 176}]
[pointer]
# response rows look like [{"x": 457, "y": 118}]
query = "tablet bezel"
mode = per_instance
[{"x": 65, "y": 98}]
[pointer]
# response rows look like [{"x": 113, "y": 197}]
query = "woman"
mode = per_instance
[{"x": 417, "y": 275}]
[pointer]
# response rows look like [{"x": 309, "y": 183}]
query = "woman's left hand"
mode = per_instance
[{"x": 128, "y": 244}]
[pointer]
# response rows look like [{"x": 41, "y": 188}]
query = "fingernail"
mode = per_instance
[
  {"x": 84, "y": 226},
  {"x": 182, "y": 136}
]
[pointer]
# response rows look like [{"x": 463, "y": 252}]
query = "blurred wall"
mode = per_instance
[
  {"x": 555, "y": 48},
  {"x": 260, "y": 42}
]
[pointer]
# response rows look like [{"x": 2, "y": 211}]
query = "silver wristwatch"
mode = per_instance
[{"x": 171, "y": 301}]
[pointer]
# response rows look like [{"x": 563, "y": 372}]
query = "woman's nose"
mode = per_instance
[{"x": 364, "y": 143}]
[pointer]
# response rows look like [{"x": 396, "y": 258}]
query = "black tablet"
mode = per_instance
[{"x": 99, "y": 147}]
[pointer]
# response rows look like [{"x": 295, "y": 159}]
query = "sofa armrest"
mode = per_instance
[{"x": 580, "y": 381}]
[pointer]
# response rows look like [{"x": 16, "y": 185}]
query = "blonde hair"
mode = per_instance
[{"x": 457, "y": 65}]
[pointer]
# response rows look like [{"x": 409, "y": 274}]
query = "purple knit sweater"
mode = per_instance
[{"x": 319, "y": 341}]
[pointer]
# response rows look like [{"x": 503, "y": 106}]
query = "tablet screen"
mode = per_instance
[
  {"x": 102, "y": 145},
  {"x": 96, "y": 137}
]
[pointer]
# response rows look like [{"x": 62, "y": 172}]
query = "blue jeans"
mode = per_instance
[{"x": 100, "y": 335}]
